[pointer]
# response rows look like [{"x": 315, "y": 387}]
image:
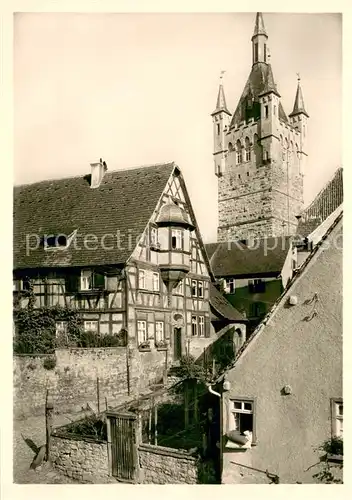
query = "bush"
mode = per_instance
[
  {"x": 49, "y": 363},
  {"x": 93, "y": 339},
  {"x": 36, "y": 331},
  {"x": 91, "y": 426}
]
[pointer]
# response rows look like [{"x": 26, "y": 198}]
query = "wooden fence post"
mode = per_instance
[
  {"x": 98, "y": 395},
  {"x": 186, "y": 400},
  {"x": 155, "y": 424},
  {"x": 49, "y": 410}
]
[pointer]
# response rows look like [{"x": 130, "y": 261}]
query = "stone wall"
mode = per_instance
[
  {"x": 80, "y": 458},
  {"x": 73, "y": 382},
  {"x": 159, "y": 465}
]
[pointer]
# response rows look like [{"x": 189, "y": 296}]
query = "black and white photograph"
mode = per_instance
[{"x": 177, "y": 248}]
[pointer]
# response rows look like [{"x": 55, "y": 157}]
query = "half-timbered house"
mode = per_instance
[{"x": 123, "y": 249}]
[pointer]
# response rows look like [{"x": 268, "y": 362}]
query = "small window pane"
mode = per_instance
[
  {"x": 248, "y": 406},
  {"x": 237, "y": 405}
]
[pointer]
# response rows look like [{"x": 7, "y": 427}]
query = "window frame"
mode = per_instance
[
  {"x": 228, "y": 283},
  {"x": 200, "y": 289},
  {"x": 194, "y": 324},
  {"x": 242, "y": 399},
  {"x": 256, "y": 52},
  {"x": 194, "y": 287},
  {"x": 156, "y": 281},
  {"x": 179, "y": 240},
  {"x": 82, "y": 278},
  {"x": 141, "y": 279},
  {"x": 86, "y": 321},
  {"x": 58, "y": 331},
  {"x": 334, "y": 402},
  {"x": 144, "y": 331},
  {"x": 159, "y": 333},
  {"x": 153, "y": 237},
  {"x": 179, "y": 290},
  {"x": 201, "y": 326}
]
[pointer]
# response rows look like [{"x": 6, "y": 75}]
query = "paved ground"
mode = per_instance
[{"x": 33, "y": 431}]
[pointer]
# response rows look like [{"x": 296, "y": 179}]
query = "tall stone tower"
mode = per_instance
[{"x": 259, "y": 154}]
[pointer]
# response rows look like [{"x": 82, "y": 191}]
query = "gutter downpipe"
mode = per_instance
[{"x": 217, "y": 394}]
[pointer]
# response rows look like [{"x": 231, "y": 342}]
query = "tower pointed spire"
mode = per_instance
[
  {"x": 221, "y": 100},
  {"x": 259, "y": 40},
  {"x": 259, "y": 28},
  {"x": 298, "y": 106}
]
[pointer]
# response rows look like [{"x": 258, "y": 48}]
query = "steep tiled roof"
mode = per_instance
[
  {"x": 222, "y": 306},
  {"x": 298, "y": 106},
  {"x": 244, "y": 259},
  {"x": 221, "y": 102},
  {"x": 122, "y": 204},
  {"x": 259, "y": 28},
  {"x": 324, "y": 204},
  {"x": 260, "y": 79}
]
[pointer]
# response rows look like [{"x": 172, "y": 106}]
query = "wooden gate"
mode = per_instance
[{"x": 121, "y": 428}]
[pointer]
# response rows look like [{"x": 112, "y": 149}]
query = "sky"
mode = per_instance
[{"x": 139, "y": 89}]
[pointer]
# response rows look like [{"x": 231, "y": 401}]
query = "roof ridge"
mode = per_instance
[
  {"x": 279, "y": 300},
  {"x": 108, "y": 172}
]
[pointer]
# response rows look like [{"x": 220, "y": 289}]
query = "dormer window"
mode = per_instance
[
  {"x": 176, "y": 239},
  {"x": 58, "y": 241}
]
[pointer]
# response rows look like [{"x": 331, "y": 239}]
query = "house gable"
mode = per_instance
[{"x": 292, "y": 367}]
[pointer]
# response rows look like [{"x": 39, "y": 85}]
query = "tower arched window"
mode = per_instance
[
  {"x": 257, "y": 150},
  {"x": 230, "y": 146},
  {"x": 255, "y": 52},
  {"x": 238, "y": 152},
  {"x": 248, "y": 149}
]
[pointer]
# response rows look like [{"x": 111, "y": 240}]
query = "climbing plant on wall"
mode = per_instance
[
  {"x": 36, "y": 328},
  {"x": 328, "y": 473}
]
